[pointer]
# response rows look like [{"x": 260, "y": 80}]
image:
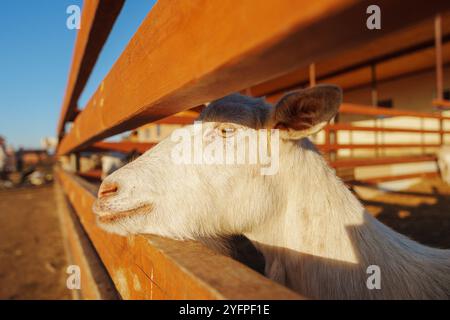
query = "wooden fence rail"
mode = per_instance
[
  {"x": 351, "y": 163},
  {"x": 123, "y": 146},
  {"x": 348, "y": 108},
  {"x": 265, "y": 46},
  {"x": 350, "y": 127}
]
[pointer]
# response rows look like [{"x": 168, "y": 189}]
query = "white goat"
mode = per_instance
[
  {"x": 314, "y": 234},
  {"x": 444, "y": 163}
]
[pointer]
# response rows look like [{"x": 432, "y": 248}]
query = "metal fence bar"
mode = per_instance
[{"x": 97, "y": 20}]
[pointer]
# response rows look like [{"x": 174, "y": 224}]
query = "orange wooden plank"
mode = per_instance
[
  {"x": 358, "y": 60},
  {"x": 396, "y": 177},
  {"x": 405, "y": 65},
  {"x": 122, "y": 146},
  {"x": 171, "y": 71},
  {"x": 95, "y": 281},
  {"x": 97, "y": 20},
  {"x": 176, "y": 120},
  {"x": 350, "y": 108},
  {"x": 184, "y": 117},
  {"x": 91, "y": 175},
  {"x": 439, "y": 57}
]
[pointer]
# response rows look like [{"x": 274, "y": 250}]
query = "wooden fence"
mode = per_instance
[
  {"x": 185, "y": 54},
  {"x": 428, "y": 153}
]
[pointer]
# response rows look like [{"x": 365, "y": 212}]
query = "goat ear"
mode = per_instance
[{"x": 305, "y": 112}]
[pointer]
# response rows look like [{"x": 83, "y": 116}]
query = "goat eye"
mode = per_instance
[{"x": 227, "y": 132}]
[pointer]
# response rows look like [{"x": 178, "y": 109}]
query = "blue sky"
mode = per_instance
[{"x": 35, "y": 55}]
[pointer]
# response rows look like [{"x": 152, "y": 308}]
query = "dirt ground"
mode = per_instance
[
  {"x": 32, "y": 258},
  {"x": 33, "y": 262}
]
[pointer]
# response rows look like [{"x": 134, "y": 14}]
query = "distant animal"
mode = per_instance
[{"x": 314, "y": 234}]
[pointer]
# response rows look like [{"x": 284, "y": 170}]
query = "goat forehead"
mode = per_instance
[{"x": 239, "y": 109}]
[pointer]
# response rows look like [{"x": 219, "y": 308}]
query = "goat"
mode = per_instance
[{"x": 314, "y": 234}]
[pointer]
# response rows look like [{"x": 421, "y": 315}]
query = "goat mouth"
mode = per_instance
[{"x": 115, "y": 216}]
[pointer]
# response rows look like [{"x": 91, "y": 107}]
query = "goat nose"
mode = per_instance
[{"x": 108, "y": 189}]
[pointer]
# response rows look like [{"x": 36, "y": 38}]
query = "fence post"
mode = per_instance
[{"x": 439, "y": 71}]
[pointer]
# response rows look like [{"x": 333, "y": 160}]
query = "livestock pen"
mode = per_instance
[{"x": 188, "y": 53}]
